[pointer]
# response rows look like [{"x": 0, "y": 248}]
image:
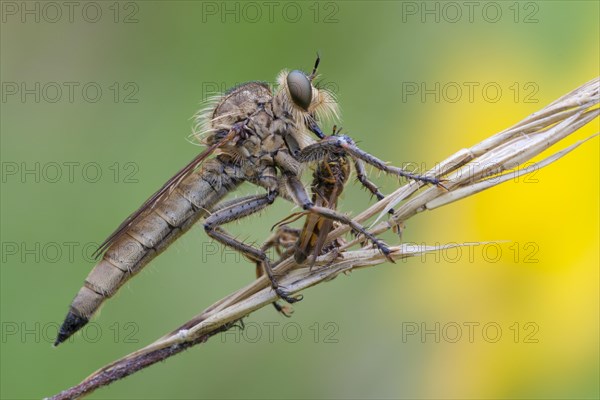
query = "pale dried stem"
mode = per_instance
[{"x": 465, "y": 173}]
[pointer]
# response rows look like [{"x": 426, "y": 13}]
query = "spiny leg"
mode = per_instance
[
  {"x": 300, "y": 196},
  {"x": 317, "y": 151},
  {"x": 355, "y": 152},
  {"x": 356, "y": 227},
  {"x": 283, "y": 241},
  {"x": 234, "y": 211},
  {"x": 361, "y": 175}
]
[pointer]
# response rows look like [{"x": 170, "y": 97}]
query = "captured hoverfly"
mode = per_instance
[{"x": 252, "y": 134}]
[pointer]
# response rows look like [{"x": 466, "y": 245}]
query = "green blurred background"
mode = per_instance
[{"x": 532, "y": 302}]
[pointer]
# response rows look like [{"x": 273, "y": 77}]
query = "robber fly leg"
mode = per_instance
[
  {"x": 300, "y": 196},
  {"x": 235, "y": 210},
  {"x": 355, "y": 152},
  {"x": 282, "y": 241},
  {"x": 361, "y": 175},
  {"x": 356, "y": 227},
  {"x": 343, "y": 143}
]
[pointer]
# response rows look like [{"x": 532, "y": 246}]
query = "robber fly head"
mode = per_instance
[
  {"x": 297, "y": 103},
  {"x": 305, "y": 101}
]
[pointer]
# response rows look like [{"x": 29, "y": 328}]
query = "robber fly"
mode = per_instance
[{"x": 252, "y": 134}]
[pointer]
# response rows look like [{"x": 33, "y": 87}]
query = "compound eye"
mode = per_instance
[{"x": 300, "y": 88}]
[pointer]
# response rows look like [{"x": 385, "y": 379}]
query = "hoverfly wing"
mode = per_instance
[
  {"x": 165, "y": 189},
  {"x": 325, "y": 228},
  {"x": 306, "y": 240},
  {"x": 325, "y": 225}
]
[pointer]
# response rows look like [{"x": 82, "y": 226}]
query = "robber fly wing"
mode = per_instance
[{"x": 165, "y": 189}]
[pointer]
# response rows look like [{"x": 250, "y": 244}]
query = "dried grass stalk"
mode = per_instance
[{"x": 465, "y": 173}]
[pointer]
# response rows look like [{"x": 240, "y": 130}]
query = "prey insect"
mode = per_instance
[
  {"x": 253, "y": 134},
  {"x": 329, "y": 179}
]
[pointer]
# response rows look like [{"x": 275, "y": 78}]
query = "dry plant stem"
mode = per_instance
[{"x": 465, "y": 173}]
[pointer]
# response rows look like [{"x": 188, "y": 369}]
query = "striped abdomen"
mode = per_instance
[{"x": 166, "y": 221}]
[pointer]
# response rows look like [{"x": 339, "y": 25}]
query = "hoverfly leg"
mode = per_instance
[
  {"x": 284, "y": 309},
  {"x": 334, "y": 253},
  {"x": 398, "y": 229}
]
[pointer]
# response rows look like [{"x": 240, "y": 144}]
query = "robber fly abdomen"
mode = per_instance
[{"x": 145, "y": 239}]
